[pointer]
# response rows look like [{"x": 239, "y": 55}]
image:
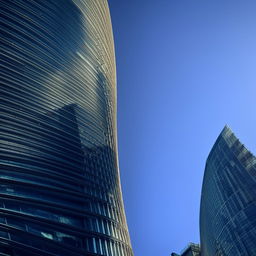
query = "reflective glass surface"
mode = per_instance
[
  {"x": 59, "y": 179},
  {"x": 228, "y": 202}
]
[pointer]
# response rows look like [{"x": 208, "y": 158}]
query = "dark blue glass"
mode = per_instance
[{"x": 59, "y": 181}]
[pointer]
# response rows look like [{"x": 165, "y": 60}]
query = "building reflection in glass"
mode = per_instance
[{"x": 60, "y": 187}]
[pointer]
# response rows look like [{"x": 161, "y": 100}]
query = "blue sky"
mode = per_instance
[{"x": 185, "y": 69}]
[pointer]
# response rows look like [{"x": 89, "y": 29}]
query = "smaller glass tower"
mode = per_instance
[
  {"x": 190, "y": 250},
  {"x": 228, "y": 201}
]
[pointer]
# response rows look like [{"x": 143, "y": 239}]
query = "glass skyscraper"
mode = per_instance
[
  {"x": 60, "y": 188},
  {"x": 191, "y": 250},
  {"x": 228, "y": 202}
]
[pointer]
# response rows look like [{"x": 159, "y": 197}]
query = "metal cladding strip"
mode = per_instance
[
  {"x": 60, "y": 190},
  {"x": 228, "y": 201}
]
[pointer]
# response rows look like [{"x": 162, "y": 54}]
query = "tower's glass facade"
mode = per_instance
[
  {"x": 228, "y": 202},
  {"x": 191, "y": 250},
  {"x": 59, "y": 179}
]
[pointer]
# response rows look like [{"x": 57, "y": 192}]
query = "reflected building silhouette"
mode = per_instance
[{"x": 59, "y": 180}]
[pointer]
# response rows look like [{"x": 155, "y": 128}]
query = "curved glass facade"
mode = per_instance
[
  {"x": 59, "y": 181},
  {"x": 228, "y": 202}
]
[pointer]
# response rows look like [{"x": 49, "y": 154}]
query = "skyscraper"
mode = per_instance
[
  {"x": 60, "y": 188},
  {"x": 191, "y": 250},
  {"x": 228, "y": 201}
]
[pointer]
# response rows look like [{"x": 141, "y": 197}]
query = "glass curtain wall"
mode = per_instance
[
  {"x": 228, "y": 202},
  {"x": 60, "y": 189}
]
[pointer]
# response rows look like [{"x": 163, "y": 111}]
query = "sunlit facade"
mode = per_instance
[
  {"x": 60, "y": 189},
  {"x": 228, "y": 202}
]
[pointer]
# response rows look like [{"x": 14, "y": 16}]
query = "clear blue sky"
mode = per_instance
[{"x": 185, "y": 68}]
